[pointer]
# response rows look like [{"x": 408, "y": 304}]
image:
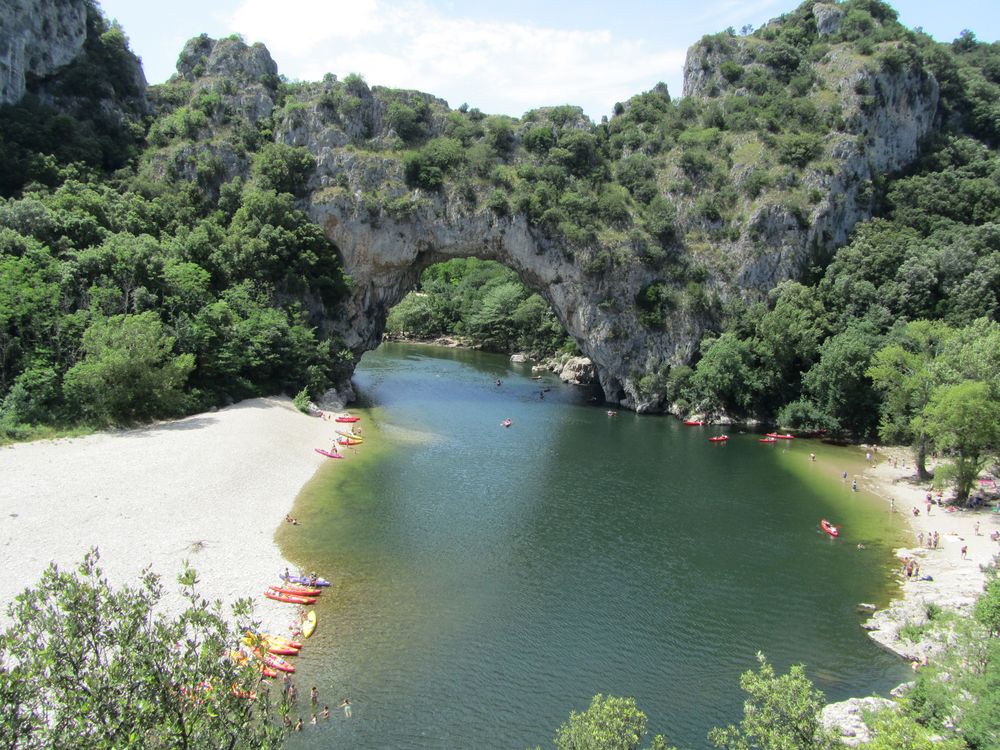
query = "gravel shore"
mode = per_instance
[
  {"x": 210, "y": 489},
  {"x": 957, "y": 579}
]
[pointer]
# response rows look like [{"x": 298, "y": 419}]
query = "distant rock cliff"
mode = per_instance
[{"x": 37, "y": 37}]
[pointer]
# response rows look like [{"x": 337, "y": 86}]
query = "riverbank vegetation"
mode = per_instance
[
  {"x": 84, "y": 665},
  {"x": 482, "y": 302}
]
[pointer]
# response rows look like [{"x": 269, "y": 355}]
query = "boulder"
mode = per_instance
[{"x": 577, "y": 371}]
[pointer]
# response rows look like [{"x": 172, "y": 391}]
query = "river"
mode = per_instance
[{"x": 489, "y": 580}]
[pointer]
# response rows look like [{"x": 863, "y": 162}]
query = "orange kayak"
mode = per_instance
[{"x": 279, "y": 596}]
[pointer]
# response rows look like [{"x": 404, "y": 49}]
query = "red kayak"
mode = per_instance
[
  {"x": 348, "y": 441},
  {"x": 694, "y": 422},
  {"x": 278, "y": 596},
  {"x": 347, "y": 419},
  {"x": 327, "y": 453},
  {"x": 829, "y": 528},
  {"x": 778, "y": 436},
  {"x": 276, "y": 662},
  {"x": 768, "y": 440},
  {"x": 297, "y": 589},
  {"x": 719, "y": 439}
]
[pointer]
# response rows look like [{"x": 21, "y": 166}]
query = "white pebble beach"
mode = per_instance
[{"x": 211, "y": 489}]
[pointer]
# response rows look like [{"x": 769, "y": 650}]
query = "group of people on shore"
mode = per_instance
[{"x": 324, "y": 714}]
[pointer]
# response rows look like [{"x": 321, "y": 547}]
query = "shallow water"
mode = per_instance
[{"x": 488, "y": 580}]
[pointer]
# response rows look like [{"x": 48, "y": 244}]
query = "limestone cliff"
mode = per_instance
[
  {"x": 388, "y": 228},
  {"x": 37, "y": 37}
]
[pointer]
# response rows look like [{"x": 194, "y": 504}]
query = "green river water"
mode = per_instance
[{"x": 487, "y": 581}]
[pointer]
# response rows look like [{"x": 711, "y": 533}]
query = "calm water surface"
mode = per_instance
[{"x": 488, "y": 581}]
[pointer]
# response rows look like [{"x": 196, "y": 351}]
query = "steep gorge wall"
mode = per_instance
[{"x": 37, "y": 37}]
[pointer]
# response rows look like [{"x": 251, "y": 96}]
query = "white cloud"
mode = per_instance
[
  {"x": 298, "y": 27},
  {"x": 497, "y": 66}
]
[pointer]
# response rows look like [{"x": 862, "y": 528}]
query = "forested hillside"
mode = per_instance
[{"x": 158, "y": 257}]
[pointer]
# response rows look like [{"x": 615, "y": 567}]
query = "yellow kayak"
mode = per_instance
[{"x": 309, "y": 624}]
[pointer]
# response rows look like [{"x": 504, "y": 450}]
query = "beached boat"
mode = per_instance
[
  {"x": 349, "y": 441},
  {"x": 347, "y": 419},
  {"x": 328, "y": 454},
  {"x": 309, "y": 624},
  {"x": 768, "y": 440},
  {"x": 778, "y": 436},
  {"x": 299, "y": 589},
  {"x": 284, "y": 640},
  {"x": 829, "y": 528},
  {"x": 718, "y": 439},
  {"x": 276, "y": 662},
  {"x": 279, "y": 596},
  {"x": 349, "y": 435},
  {"x": 694, "y": 422},
  {"x": 305, "y": 580}
]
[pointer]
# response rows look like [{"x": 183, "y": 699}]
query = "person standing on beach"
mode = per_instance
[
  {"x": 975, "y": 528},
  {"x": 854, "y": 485},
  {"x": 965, "y": 550}
]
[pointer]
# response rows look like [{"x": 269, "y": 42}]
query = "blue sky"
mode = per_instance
[{"x": 504, "y": 58}]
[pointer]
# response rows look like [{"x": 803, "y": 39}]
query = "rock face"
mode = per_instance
[
  {"x": 846, "y": 719},
  {"x": 388, "y": 232},
  {"x": 886, "y": 113},
  {"x": 36, "y": 38}
]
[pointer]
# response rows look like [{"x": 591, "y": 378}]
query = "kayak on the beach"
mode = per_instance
[
  {"x": 829, "y": 528},
  {"x": 309, "y": 624},
  {"x": 279, "y": 596},
  {"x": 281, "y": 639},
  {"x": 275, "y": 662},
  {"x": 307, "y": 580},
  {"x": 349, "y": 441},
  {"x": 718, "y": 439},
  {"x": 347, "y": 419},
  {"x": 328, "y": 454},
  {"x": 298, "y": 589},
  {"x": 350, "y": 435}
]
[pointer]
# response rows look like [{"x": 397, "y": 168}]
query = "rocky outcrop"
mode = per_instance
[
  {"x": 847, "y": 718},
  {"x": 37, "y": 37},
  {"x": 577, "y": 371}
]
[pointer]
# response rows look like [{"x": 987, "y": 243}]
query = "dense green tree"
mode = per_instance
[
  {"x": 904, "y": 372},
  {"x": 129, "y": 371},
  {"x": 988, "y": 608},
  {"x": 83, "y": 665},
  {"x": 283, "y": 168},
  {"x": 609, "y": 723},
  {"x": 838, "y": 384},
  {"x": 781, "y": 712},
  {"x": 964, "y": 420},
  {"x": 726, "y": 379}
]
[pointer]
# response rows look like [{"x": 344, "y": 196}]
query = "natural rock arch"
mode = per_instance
[{"x": 385, "y": 257}]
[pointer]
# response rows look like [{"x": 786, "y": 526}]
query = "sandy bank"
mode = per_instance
[
  {"x": 957, "y": 580},
  {"x": 210, "y": 489}
]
